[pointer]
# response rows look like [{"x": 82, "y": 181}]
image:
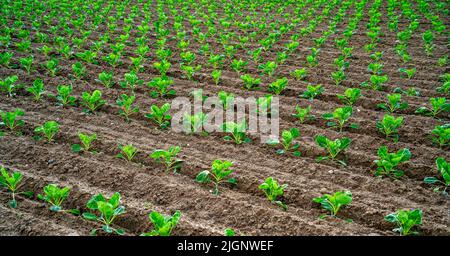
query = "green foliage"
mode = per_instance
[
  {"x": 12, "y": 183},
  {"x": 226, "y": 99},
  {"x": 408, "y": 72},
  {"x": 444, "y": 171},
  {"x": 9, "y": 85},
  {"x": 92, "y": 101},
  {"x": 11, "y": 120},
  {"x": 278, "y": 86},
  {"x": 161, "y": 87},
  {"x": 274, "y": 191},
  {"x": 299, "y": 74},
  {"x": 163, "y": 225},
  {"x": 64, "y": 96},
  {"x": 441, "y": 135},
  {"x": 333, "y": 203},
  {"x": 162, "y": 67},
  {"x": 125, "y": 103},
  {"x": 49, "y": 130},
  {"x": 338, "y": 76},
  {"x": 250, "y": 83},
  {"x": 160, "y": 115},
  {"x": 27, "y": 63},
  {"x": 237, "y": 132},
  {"x": 394, "y": 103},
  {"x": 312, "y": 92},
  {"x": 169, "y": 158},
  {"x": 268, "y": 68},
  {"x": 303, "y": 114},
  {"x": 216, "y": 74},
  {"x": 128, "y": 152},
  {"x": 438, "y": 105},
  {"x": 376, "y": 82},
  {"x": 350, "y": 96},
  {"x": 287, "y": 141},
  {"x": 405, "y": 220},
  {"x": 78, "y": 70},
  {"x": 55, "y": 196},
  {"x": 37, "y": 89},
  {"x": 333, "y": 147},
  {"x": 341, "y": 116},
  {"x": 388, "y": 162},
  {"x": 131, "y": 81},
  {"x": 219, "y": 173},
  {"x": 108, "y": 210},
  {"x": 106, "y": 78},
  {"x": 389, "y": 126},
  {"x": 86, "y": 142}
]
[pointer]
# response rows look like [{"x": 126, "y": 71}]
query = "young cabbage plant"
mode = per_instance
[
  {"x": 335, "y": 202},
  {"x": 229, "y": 232},
  {"x": 226, "y": 99},
  {"x": 55, "y": 196},
  {"x": 388, "y": 162},
  {"x": 9, "y": 85},
  {"x": 128, "y": 152},
  {"x": 64, "y": 96},
  {"x": 394, "y": 103},
  {"x": 278, "y": 86},
  {"x": 11, "y": 119},
  {"x": 37, "y": 89},
  {"x": 408, "y": 72},
  {"x": 27, "y": 63},
  {"x": 443, "y": 168},
  {"x": 237, "y": 132},
  {"x": 405, "y": 220},
  {"x": 287, "y": 141},
  {"x": 12, "y": 183},
  {"x": 160, "y": 115},
  {"x": 108, "y": 210},
  {"x": 131, "y": 81},
  {"x": 216, "y": 74},
  {"x": 219, "y": 173},
  {"x": 340, "y": 117},
  {"x": 106, "y": 78},
  {"x": 350, "y": 96},
  {"x": 250, "y": 83},
  {"x": 438, "y": 106},
  {"x": 338, "y": 76},
  {"x": 333, "y": 147},
  {"x": 194, "y": 123},
  {"x": 441, "y": 135},
  {"x": 312, "y": 92},
  {"x": 303, "y": 114},
  {"x": 376, "y": 82},
  {"x": 268, "y": 68},
  {"x": 86, "y": 143},
  {"x": 127, "y": 109},
  {"x": 78, "y": 70},
  {"x": 160, "y": 86},
  {"x": 92, "y": 101},
  {"x": 299, "y": 74},
  {"x": 162, "y": 225},
  {"x": 274, "y": 191},
  {"x": 169, "y": 158},
  {"x": 264, "y": 105},
  {"x": 49, "y": 129},
  {"x": 389, "y": 126}
]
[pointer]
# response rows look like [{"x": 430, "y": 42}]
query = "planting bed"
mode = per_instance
[{"x": 142, "y": 182}]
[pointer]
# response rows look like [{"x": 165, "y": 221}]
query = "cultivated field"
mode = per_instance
[{"x": 306, "y": 53}]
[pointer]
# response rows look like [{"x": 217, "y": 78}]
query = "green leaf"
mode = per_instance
[
  {"x": 90, "y": 216},
  {"x": 76, "y": 148}
]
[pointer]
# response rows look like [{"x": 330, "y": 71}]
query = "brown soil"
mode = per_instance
[{"x": 145, "y": 187}]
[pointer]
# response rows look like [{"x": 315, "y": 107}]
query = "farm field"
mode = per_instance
[{"x": 304, "y": 53}]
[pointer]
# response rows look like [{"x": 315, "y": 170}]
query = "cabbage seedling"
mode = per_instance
[
  {"x": 438, "y": 105},
  {"x": 125, "y": 103},
  {"x": 389, "y": 126},
  {"x": 86, "y": 143},
  {"x": 216, "y": 74},
  {"x": 278, "y": 86},
  {"x": 194, "y": 122},
  {"x": 441, "y": 135},
  {"x": 226, "y": 99},
  {"x": 299, "y": 74},
  {"x": 169, "y": 158},
  {"x": 49, "y": 129},
  {"x": 55, "y": 196},
  {"x": 220, "y": 170},
  {"x": 312, "y": 92},
  {"x": 394, "y": 103},
  {"x": 12, "y": 183},
  {"x": 333, "y": 147},
  {"x": 388, "y": 162},
  {"x": 236, "y": 131},
  {"x": 108, "y": 209},
  {"x": 341, "y": 116},
  {"x": 64, "y": 96},
  {"x": 9, "y": 85},
  {"x": 287, "y": 141},
  {"x": 405, "y": 220},
  {"x": 92, "y": 101},
  {"x": 444, "y": 171},
  {"x": 37, "y": 89},
  {"x": 162, "y": 225},
  {"x": 160, "y": 115},
  {"x": 161, "y": 87},
  {"x": 106, "y": 78},
  {"x": 250, "y": 83},
  {"x": 128, "y": 152},
  {"x": 333, "y": 203},
  {"x": 11, "y": 120},
  {"x": 273, "y": 191},
  {"x": 350, "y": 96},
  {"x": 303, "y": 114}
]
